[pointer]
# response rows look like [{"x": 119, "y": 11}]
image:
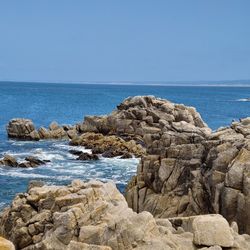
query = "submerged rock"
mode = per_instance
[{"x": 95, "y": 215}]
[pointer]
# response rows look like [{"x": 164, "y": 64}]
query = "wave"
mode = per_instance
[
  {"x": 69, "y": 147},
  {"x": 243, "y": 100},
  {"x": 23, "y": 175}
]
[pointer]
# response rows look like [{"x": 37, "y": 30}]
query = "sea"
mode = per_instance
[{"x": 68, "y": 104}]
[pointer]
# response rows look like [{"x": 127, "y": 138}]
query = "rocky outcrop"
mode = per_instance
[
  {"x": 108, "y": 146},
  {"x": 141, "y": 115},
  {"x": 29, "y": 162},
  {"x": 25, "y": 129},
  {"x": 95, "y": 215},
  {"x": 187, "y": 170},
  {"x": 22, "y": 129}
]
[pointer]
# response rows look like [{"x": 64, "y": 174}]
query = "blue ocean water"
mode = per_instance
[{"x": 69, "y": 103}]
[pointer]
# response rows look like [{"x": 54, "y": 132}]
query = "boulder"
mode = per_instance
[
  {"x": 87, "y": 157},
  {"x": 21, "y": 129},
  {"x": 211, "y": 230},
  {"x": 75, "y": 152},
  {"x": 9, "y": 160}
]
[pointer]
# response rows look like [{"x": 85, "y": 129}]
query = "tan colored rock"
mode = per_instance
[
  {"x": 211, "y": 230},
  {"x": 21, "y": 129},
  {"x": 6, "y": 245}
]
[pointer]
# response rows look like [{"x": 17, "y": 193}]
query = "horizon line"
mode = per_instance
[{"x": 189, "y": 83}]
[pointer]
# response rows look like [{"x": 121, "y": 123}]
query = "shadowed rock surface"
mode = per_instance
[{"x": 95, "y": 215}]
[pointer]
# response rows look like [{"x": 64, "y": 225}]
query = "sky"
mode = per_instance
[{"x": 132, "y": 40}]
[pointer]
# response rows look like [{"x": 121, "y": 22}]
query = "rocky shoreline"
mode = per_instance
[{"x": 186, "y": 171}]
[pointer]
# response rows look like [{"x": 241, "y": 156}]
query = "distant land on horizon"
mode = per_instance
[{"x": 222, "y": 83}]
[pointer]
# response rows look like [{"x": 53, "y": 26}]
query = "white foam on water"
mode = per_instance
[
  {"x": 48, "y": 155},
  {"x": 23, "y": 175},
  {"x": 21, "y": 143},
  {"x": 243, "y": 100},
  {"x": 2, "y": 205},
  {"x": 69, "y": 147}
]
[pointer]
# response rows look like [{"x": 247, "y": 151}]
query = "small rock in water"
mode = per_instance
[
  {"x": 9, "y": 160},
  {"x": 75, "y": 152},
  {"x": 87, "y": 157}
]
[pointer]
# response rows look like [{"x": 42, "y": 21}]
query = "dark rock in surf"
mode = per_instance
[{"x": 87, "y": 157}]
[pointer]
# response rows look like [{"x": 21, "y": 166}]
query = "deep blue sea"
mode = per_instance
[{"x": 69, "y": 103}]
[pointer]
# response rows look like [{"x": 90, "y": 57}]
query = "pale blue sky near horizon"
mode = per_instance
[{"x": 132, "y": 40}]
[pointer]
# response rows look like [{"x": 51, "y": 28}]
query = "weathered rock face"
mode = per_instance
[
  {"x": 24, "y": 129},
  {"x": 95, "y": 215},
  {"x": 187, "y": 174},
  {"x": 187, "y": 170}
]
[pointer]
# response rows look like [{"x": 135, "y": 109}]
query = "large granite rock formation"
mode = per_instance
[
  {"x": 187, "y": 169},
  {"x": 95, "y": 215}
]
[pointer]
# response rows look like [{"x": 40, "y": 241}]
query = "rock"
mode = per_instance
[
  {"x": 126, "y": 155},
  {"x": 94, "y": 215},
  {"x": 210, "y": 230},
  {"x": 35, "y": 161},
  {"x": 21, "y": 129},
  {"x": 112, "y": 153},
  {"x": 9, "y": 160},
  {"x": 75, "y": 152},
  {"x": 54, "y": 126},
  {"x": 87, "y": 157},
  {"x": 25, "y": 129},
  {"x": 6, "y": 245},
  {"x": 29, "y": 162}
]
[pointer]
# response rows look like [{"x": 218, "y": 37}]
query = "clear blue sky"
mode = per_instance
[{"x": 129, "y": 40}]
